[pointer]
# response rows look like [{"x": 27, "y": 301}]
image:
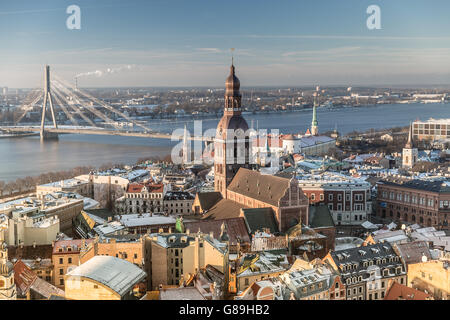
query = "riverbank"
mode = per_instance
[{"x": 29, "y": 157}]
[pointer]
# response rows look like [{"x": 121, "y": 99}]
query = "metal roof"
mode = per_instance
[{"x": 117, "y": 274}]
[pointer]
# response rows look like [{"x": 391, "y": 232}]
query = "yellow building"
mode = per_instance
[
  {"x": 103, "y": 278},
  {"x": 431, "y": 276},
  {"x": 169, "y": 256}
]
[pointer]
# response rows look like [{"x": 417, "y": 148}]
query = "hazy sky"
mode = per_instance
[{"x": 187, "y": 42}]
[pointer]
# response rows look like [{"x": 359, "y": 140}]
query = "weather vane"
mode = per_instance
[{"x": 232, "y": 55}]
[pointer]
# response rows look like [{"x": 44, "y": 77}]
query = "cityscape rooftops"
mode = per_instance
[
  {"x": 68, "y": 183},
  {"x": 425, "y": 185},
  {"x": 145, "y": 187},
  {"x": 399, "y": 291},
  {"x": 357, "y": 260},
  {"x": 179, "y": 195},
  {"x": 145, "y": 219},
  {"x": 109, "y": 228},
  {"x": 331, "y": 179},
  {"x": 262, "y": 263},
  {"x": 70, "y": 246}
]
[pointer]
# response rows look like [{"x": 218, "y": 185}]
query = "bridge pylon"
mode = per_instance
[{"x": 45, "y": 135}]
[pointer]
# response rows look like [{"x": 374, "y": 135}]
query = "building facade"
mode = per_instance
[
  {"x": 348, "y": 199},
  {"x": 431, "y": 276},
  {"x": 415, "y": 201},
  {"x": 433, "y": 129},
  {"x": 366, "y": 271},
  {"x": 170, "y": 256},
  {"x": 142, "y": 198}
]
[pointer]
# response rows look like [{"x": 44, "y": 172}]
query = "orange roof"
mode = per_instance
[
  {"x": 135, "y": 188},
  {"x": 23, "y": 276},
  {"x": 138, "y": 187},
  {"x": 307, "y": 131},
  {"x": 73, "y": 245},
  {"x": 399, "y": 291},
  {"x": 261, "y": 142}
]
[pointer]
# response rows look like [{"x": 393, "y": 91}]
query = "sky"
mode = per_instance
[{"x": 187, "y": 42}]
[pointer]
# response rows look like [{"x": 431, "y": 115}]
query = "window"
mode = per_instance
[
  {"x": 61, "y": 271},
  {"x": 69, "y": 260},
  {"x": 321, "y": 197},
  {"x": 61, "y": 282},
  {"x": 246, "y": 281},
  {"x": 330, "y": 197},
  {"x": 313, "y": 197},
  {"x": 61, "y": 260},
  {"x": 339, "y": 197}
]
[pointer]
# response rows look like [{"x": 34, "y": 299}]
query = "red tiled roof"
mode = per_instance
[
  {"x": 152, "y": 188},
  {"x": 399, "y": 291},
  {"x": 26, "y": 279},
  {"x": 23, "y": 277},
  {"x": 74, "y": 245},
  {"x": 156, "y": 188},
  {"x": 261, "y": 142},
  {"x": 135, "y": 188}
]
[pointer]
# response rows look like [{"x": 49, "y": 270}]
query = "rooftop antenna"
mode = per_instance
[{"x": 232, "y": 56}]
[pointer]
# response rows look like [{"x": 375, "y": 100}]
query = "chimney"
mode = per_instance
[
  {"x": 34, "y": 244},
  {"x": 188, "y": 231}
]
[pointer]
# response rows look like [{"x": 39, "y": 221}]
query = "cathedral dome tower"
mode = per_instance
[{"x": 232, "y": 145}]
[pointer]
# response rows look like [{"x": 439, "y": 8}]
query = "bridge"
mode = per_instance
[
  {"x": 25, "y": 130},
  {"x": 78, "y": 102}
]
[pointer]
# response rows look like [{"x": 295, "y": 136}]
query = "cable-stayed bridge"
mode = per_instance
[{"x": 59, "y": 93}]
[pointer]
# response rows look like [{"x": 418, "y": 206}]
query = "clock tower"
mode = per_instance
[{"x": 232, "y": 142}]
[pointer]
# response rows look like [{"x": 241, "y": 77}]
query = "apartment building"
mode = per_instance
[{"x": 426, "y": 203}]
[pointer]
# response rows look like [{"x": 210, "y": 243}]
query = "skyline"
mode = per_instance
[{"x": 187, "y": 44}]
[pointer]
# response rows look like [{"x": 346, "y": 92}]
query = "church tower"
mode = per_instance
[
  {"x": 232, "y": 143},
  {"x": 7, "y": 285},
  {"x": 314, "y": 122},
  {"x": 409, "y": 154}
]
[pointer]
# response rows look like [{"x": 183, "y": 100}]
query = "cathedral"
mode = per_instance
[
  {"x": 238, "y": 187},
  {"x": 232, "y": 142}
]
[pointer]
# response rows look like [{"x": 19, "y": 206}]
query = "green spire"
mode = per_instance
[
  {"x": 179, "y": 225},
  {"x": 314, "y": 119}
]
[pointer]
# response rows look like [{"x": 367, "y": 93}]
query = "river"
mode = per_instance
[{"x": 20, "y": 157}]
